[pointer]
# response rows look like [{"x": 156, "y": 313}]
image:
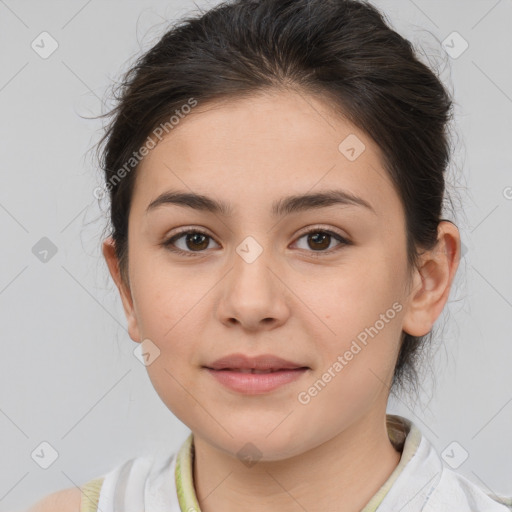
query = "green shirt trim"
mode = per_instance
[
  {"x": 405, "y": 441},
  {"x": 91, "y": 495}
]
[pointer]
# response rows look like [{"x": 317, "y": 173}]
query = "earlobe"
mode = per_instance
[
  {"x": 108, "y": 249},
  {"x": 417, "y": 321},
  {"x": 432, "y": 281}
]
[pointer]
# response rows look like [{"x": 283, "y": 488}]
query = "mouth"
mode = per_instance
[
  {"x": 263, "y": 363},
  {"x": 254, "y": 370},
  {"x": 255, "y": 375}
]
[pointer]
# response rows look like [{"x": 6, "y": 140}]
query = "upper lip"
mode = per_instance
[{"x": 260, "y": 362}]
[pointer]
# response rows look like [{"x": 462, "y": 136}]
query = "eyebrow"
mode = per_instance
[{"x": 281, "y": 207}]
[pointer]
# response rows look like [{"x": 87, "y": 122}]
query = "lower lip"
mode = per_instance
[{"x": 256, "y": 383}]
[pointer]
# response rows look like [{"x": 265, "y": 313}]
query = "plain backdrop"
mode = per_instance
[{"x": 69, "y": 377}]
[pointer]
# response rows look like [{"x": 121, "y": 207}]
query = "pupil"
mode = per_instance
[
  {"x": 194, "y": 238},
  {"x": 319, "y": 238}
]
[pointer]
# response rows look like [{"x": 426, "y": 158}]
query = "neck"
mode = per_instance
[{"x": 343, "y": 473}]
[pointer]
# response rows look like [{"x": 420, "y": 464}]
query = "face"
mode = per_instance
[{"x": 321, "y": 283}]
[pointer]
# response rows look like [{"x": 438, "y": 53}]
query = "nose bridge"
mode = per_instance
[
  {"x": 252, "y": 294},
  {"x": 251, "y": 261}
]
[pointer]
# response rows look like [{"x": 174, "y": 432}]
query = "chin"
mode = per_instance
[{"x": 259, "y": 443}]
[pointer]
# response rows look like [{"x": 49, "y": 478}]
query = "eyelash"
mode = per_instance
[{"x": 168, "y": 244}]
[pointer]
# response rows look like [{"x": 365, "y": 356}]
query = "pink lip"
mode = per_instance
[
  {"x": 256, "y": 383},
  {"x": 226, "y": 371}
]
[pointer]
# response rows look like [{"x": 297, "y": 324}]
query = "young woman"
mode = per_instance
[{"x": 276, "y": 171}]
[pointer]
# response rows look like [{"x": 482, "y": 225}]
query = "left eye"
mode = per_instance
[
  {"x": 319, "y": 240},
  {"x": 195, "y": 241}
]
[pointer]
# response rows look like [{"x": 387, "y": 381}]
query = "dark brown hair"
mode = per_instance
[{"x": 342, "y": 51}]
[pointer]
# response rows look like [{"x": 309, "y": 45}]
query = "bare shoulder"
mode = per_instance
[{"x": 66, "y": 500}]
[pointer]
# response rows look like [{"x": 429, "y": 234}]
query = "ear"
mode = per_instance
[
  {"x": 432, "y": 281},
  {"x": 124, "y": 288}
]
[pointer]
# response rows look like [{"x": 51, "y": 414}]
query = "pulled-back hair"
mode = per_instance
[{"x": 342, "y": 51}]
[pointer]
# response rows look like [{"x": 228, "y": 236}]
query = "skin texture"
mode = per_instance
[
  {"x": 65, "y": 500},
  {"x": 293, "y": 301}
]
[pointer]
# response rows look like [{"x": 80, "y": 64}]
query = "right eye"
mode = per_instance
[{"x": 193, "y": 241}]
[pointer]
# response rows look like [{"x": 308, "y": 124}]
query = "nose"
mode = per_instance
[{"x": 253, "y": 295}]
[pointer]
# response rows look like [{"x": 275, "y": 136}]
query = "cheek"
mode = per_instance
[
  {"x": 357, "y": 363},
  {"x": 165, "y": 295},
  {"x": 361, "y": 308},
  {"x": 353, "y": 296},
  {"x": 167, "y": 311}
]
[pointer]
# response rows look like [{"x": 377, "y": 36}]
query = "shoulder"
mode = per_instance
[
  {"x": 72, "y": 499},
  {"x": 65, "y": 500},
  {"x": 425, "y": 482},
  {"x": 456, "y": 492},
  {"x": 149, "y": 476}
]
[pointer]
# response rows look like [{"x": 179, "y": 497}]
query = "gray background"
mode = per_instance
[{"x": 68, "y": 373}]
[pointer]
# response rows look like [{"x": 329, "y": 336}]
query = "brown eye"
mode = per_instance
[
  {"x": 188, "y": 242},
  {"x": 319, "y": 240},
  {"x": 196, "y": 241}
]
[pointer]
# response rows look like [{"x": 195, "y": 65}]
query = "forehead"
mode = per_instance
[{"x": 257, "y": 149}]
